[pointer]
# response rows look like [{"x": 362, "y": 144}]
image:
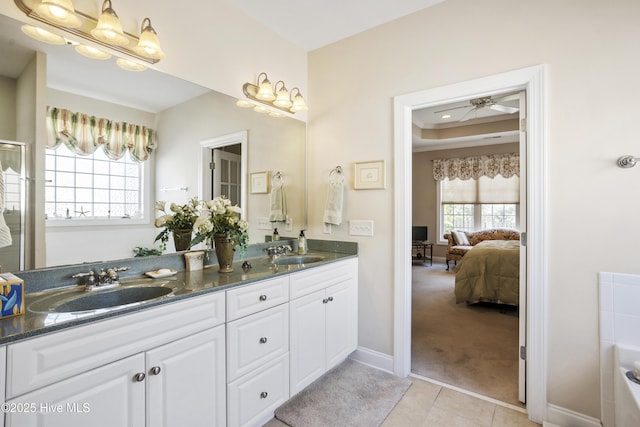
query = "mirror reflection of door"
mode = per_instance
[{"x": 226, "y": 179}]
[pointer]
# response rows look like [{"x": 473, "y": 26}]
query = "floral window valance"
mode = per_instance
[
  {"x": 83, "y": 134},
  {"x": 466, "y": 168}
]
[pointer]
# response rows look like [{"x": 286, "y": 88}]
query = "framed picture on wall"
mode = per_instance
[
  {"x": 369, "y": 175},
  {"x": 259, "y": 182}
]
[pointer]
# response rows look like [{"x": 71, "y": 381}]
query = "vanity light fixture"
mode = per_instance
[
  {"x": 106, "y": 31},
  {"x": 109, "y": 28},
  {"x": 44, "y": 36},
  {"x": 92, "y": 52},
  {"x": 277, "y": 97},
  {"x": 60, "y": 12}
]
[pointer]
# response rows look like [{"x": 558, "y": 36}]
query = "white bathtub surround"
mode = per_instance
[
  {"x": 619, "y": 325},
  {"x": 626, "y": 392}
]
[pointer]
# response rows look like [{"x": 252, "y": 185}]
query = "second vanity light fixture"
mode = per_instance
[
  {"x": 275, "y": 96},
  {"x": 107, "y": 32}
]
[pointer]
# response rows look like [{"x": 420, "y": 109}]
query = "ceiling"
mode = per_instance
[{"x": 313, "y": 24}]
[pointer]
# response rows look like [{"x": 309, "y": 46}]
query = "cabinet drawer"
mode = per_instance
[
  {"x": 254, "y": 340},
  {"x": 53, "y": 357},
  {"x": 253, "y": 398},
  {"x": 257, "y": 297},
  {"x": 314, "y": 279}
]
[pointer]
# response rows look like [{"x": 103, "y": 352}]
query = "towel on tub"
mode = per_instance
[
  {"x": 5, "y": 233},
  {"x": 333, "y": 206},
  {"x": 278, "y": 211}
]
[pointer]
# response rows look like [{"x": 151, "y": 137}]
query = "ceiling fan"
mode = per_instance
[{"x": 485, "y": 102}]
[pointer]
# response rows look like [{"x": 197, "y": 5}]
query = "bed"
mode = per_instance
[{"x": 490, "y": 272}]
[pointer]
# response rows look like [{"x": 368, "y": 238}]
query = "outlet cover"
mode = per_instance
[
  {"x": 361, "y": 227},
  {"x": 264, "y": 223}
]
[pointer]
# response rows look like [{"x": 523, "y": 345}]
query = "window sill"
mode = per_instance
[{"x": 90, "y": 222}]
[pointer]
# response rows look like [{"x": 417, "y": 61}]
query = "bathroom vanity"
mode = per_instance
[{"x": 228, "y": 352}]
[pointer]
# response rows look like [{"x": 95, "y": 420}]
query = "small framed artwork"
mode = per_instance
[
  {"x": 259, "y": 182},
  {"x": 369, "y": 175}
]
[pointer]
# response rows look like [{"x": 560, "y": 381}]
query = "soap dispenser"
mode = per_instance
[
  {"x": 302, "y": 243},
  {"x": 276, "y": 235}
]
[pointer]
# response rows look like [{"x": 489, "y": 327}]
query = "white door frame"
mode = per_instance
[
  {"x": 204, "y": 171},
  {"x": 531, "y": 80}
]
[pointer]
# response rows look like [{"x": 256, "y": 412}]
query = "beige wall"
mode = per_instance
[
  {"x": 7, "y": 108},
  {"x": 591, "y": 113},
  {"x": 424, "y": 198}
]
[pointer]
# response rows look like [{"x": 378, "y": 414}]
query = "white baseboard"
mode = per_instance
[
  {"x": 558, "y": 416},
  {"x": 373, "y": 358}
]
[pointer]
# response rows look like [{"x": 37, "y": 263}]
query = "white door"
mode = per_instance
[
  {"x": 105, "y": 396},
  {"x": 227, "y": 175},
  {"x": 307, "y": 340},
  {"x": 186, "y": 382},
  {"x": 522, "y": 319}
]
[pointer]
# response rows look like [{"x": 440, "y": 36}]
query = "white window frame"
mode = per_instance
[{"x": 147, "y": 207}]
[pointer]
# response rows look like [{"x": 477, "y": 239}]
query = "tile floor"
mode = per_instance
[{"x": 429, "y": 405}]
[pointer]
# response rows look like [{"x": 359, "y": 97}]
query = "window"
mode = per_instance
[
  {"x": 93, "y": 186},
  {"x": 481, "y": 203}
]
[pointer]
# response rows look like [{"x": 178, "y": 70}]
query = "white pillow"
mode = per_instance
[{"x": 460, "y": 238}]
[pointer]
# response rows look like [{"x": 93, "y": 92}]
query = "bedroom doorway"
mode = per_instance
[
  {"x": 473, "y": 347},
  {"x": 531, "y": 80}
]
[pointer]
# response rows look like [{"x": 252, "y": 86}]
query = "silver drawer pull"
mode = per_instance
[
  {"x": 324, "y": 301},
  {"x": 263, "y": 395},
  {"x": 155, "y": 370},
  {"x": 263, "y": 297},
  {"x": 139, "y": 377},
  {"x": 330, "y": 299},
  {"x": 263, "y": 340}
]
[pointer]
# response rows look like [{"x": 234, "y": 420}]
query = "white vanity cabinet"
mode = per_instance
[
  {"x": 257, "y": 351},
  {"x": 323, "y": 316},
  {"x": 163, "y": 366}
]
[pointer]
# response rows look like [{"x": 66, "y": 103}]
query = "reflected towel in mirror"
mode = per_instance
[
  {"x": 278, "y": 211},
  {"x": 5, "y": 233}
]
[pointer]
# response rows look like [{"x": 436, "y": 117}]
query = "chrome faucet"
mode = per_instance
[
  {"x": 103, "y": 280},
  {"x": 276, "y": 251}
]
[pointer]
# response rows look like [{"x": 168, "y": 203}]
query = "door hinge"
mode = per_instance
[
  {"x": 212, "y": 165},
  {"x": 523, "y": 125},
  {"x": 523, "y": 238},
  {"x": 523, "y": 352}
]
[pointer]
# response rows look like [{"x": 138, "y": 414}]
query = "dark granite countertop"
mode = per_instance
[{"x": 185, "y": 284}]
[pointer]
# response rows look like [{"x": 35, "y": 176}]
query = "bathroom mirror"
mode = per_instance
[{"x": 185, "y": 116}]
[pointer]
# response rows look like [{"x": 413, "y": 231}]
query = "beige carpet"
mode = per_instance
[
  {"x": 472, "y": 347},
  {"x": 351, "y": 394}
]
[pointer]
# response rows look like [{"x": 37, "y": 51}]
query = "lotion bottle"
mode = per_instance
[
  {"x": 276, "y": 235},
  {"x": 302, "y": 243}
]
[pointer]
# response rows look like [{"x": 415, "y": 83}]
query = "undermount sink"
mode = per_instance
[
  {"x": 117, "y": 297},
  {"x": 298, "y": 259}
]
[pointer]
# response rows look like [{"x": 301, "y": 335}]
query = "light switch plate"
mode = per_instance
[
  {"x": 264, "y": 223},
  {"x": 361, "y": 227}
]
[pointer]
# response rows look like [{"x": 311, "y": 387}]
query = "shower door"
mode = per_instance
[{"x": 12, "y": 205}]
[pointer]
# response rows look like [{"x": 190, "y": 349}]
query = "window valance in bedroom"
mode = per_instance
[
  {"x": 83, "y": 134},
  {"x": 464, "y": 168}
]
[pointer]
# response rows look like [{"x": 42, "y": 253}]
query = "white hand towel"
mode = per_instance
[
  {"x": 5, "y": 233},
  {"x": 278, "y": 205},
  {"x": 333, "y": 206}
]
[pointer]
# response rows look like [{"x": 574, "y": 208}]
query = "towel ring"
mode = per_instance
[
  {"x": 336, "y": 175},
  {"x": 276, "y": 177}
]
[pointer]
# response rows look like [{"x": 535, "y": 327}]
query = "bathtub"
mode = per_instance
[{"x": 626, "y": 392}]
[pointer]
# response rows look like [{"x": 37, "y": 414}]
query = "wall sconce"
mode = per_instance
[
  {"x": 276, "y": 96},
  {"x": 106, "y": 31}
]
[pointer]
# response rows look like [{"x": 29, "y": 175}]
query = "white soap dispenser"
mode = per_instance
[{"x": 302, "y": 243}]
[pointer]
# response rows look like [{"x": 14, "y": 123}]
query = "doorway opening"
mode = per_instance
[{"x": 530, "y": 80}]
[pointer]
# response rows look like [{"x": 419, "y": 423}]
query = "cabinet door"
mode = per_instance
[
  {"x": 186, "y": 381},
  {"x": 105, "y": 396},
  {"x": 307, "y": 351},
  {"x": 341, "y": 323}
]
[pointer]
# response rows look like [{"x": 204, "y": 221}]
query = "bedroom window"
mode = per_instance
[{"x": 476, "y": 204}]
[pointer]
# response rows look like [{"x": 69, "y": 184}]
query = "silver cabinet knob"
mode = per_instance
[
  {"x": 155, "y": 370},
  {"x": 263, "y": 395},
  {"x": 324, "y": 301},
  {"x": 263, "y": 340},
  {"x": 263, "y": 297},
  {"x": 330, "y": 299},
  {"x": 139, "y": 377}
]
